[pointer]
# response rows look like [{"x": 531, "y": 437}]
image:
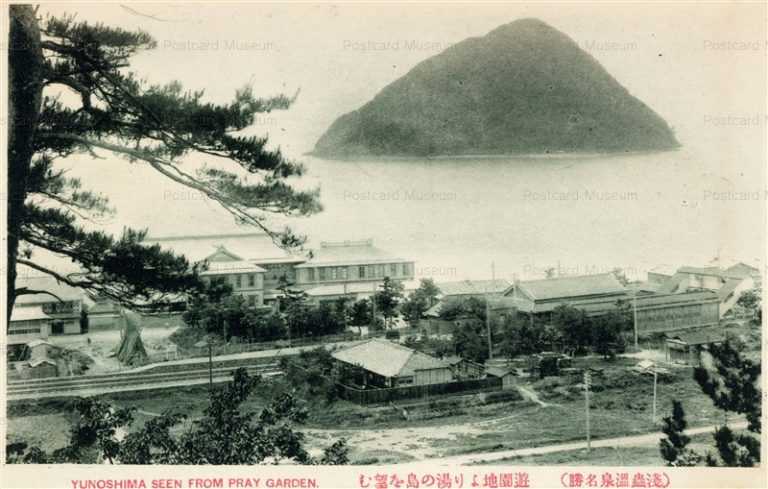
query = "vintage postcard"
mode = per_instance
[{"x": 383, "y": 245}]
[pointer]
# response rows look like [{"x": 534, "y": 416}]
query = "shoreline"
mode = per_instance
[{"x": 492, "y": 156}]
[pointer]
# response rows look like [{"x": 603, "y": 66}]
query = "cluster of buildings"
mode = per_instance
[
  {"x": 252, "y": 264},
  {"x": 687, "y": 298},
  {"x": 258, "y": 270},
  {"x": 679, "y": 301}
]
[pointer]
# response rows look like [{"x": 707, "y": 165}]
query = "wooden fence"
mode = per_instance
[{"x": 378, "y": 396}]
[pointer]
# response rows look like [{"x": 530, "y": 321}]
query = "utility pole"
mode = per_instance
[
  {"x": 344, "y": 305},
  {"x": 587, "y": 380},
  {"x": 373, "y": 310},
  {"x": 488, "y": 312},
  {"x": 655, "y": 383},
  {"x": 210, "y": 366},
  {"x": 634, "y": 318}
]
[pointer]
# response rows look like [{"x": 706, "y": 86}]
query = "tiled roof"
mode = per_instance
[
  {"x": 508, "y": 302},
  {"x": 700, "y": 337},
  {"x": 246, "y": 246},
  {"x": 713, "y": 271},
  {"x": 497, "y": 371},
  {"x": 473, "y": 287},
  {"x": 565, "y": 287},
  {"x": 388, "y": 359},
  {"x": 28, "y": 313},
  {"x": 349, "y": 253},
  {"x": 742, "y": 269},
  {"x": 49, "y": 284}
]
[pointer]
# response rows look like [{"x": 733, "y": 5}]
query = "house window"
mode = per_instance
[
  {"x": 342, "y": 273},
  {"x": 251, "y": 280},
  {"x": 252, "y": 300},
  {"x": 393, "y": 269},
  {"x": 332, "y": 273},
  {"x": 238, "y": 281},
  {"x": 311, "y": 274},
  {"x": 321, "y": 273},
  {"x": 361, "y": 271}
]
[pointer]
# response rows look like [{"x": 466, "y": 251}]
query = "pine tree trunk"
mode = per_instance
[{"x": 25, "y": 66}]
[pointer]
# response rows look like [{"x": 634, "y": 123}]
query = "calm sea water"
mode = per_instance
[
  {"x": 455, "y": 217},
  {"x": 588, "y": 214}
]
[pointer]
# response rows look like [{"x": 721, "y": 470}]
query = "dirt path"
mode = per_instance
[
  {"x": 624, "y": 441},
  {"x": 529, "y": 394}
]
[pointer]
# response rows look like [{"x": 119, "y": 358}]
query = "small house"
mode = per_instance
[
  {"x": 506, "y": 374},
  {"x": 686, "y": 347},
  {"x": 384, "y": 364}
]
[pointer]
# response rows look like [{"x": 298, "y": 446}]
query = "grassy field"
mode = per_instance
[{"x": 621, "y": 404}]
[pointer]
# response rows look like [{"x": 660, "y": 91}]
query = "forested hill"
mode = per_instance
[{"x": 523, "y": 88}]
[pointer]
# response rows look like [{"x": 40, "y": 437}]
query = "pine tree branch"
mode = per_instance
[
  {"x": 170, "y": 170},
  {"x": 28, "y": 291},
  {"x": 59, "y": 277}
]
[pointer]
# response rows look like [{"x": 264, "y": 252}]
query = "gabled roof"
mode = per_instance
[
  {"x": 48, "y": 284},
  {"x": 744, "y": 268},
  {"x": 497, "y": 371},
  {"x": 349, "y": 253},
  {"x": 473, "y": 287},
  {"x": 700, "y": 337},
  {"x": 508, "y": 302},
  {"x": 576, "y": 286},
  {"x": 388, "y": 359},
  {"x": 28, "y": 313},
  {"x": 713, "y": 272},
  {"x": 245, "y": 246}
]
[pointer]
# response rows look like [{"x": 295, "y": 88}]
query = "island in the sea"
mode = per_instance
[{"x": 524, "y": 88}]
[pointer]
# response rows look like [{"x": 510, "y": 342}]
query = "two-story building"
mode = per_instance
[
  {"x": 258, "y": 269},
  {"x": 245, "y": 278},
  {"x": 58, "y": 311},
  {"x": 352, "y": 269}
]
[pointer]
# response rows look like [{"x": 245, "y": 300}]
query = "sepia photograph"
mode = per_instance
[{"x": 430, "y": 245}]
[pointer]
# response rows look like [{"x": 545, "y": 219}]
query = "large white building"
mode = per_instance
[{"x": 257, "y": 269}]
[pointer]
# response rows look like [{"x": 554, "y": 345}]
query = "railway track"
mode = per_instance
[{"x": 90, "y": 385}]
